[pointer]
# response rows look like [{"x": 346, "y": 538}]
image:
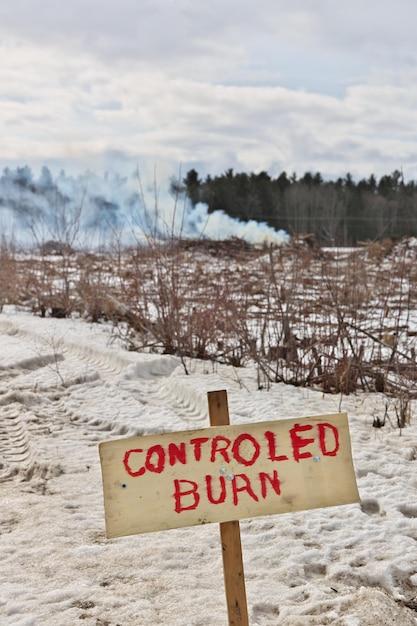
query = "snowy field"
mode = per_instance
[{"x": 64, "y": 387}]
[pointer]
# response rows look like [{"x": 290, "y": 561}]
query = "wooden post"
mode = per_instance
[{"x": 234, "y": 577}]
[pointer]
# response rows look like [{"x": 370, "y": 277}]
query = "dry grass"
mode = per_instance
[{"x": 338, "y": 321}]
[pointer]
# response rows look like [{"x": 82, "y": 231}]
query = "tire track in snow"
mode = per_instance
[
  {"x": 15, "y": 450},
  {"x": 104, "y": 391},
  {"x": 19, "y": 453},
  {"x": 133, "y": 393}
]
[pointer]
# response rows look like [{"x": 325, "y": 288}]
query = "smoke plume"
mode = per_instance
[{"x": 90, "y": 209}]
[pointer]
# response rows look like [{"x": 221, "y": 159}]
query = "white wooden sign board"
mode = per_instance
[{"x": 225, "y": 473}]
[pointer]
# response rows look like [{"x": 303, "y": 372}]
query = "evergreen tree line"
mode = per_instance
[{"x": 339, "y": 211}]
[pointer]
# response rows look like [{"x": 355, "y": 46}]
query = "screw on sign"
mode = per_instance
[{"x": 226, "y": 473}]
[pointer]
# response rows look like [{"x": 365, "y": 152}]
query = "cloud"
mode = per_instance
[
  {"x": 218, "y": 85},
  {"x": 225, "y": 40},
  {"x": 174, "y": 36}
]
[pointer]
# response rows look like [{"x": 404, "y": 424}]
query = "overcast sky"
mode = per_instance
[{"x": 308, "y": 84}]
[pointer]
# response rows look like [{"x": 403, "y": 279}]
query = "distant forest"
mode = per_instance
[{"x": 340, "y": 211}]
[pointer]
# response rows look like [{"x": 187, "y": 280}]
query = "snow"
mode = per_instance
[{"x": 66, "y": 385}]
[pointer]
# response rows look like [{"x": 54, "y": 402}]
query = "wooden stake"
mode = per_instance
[{"x": 234, "y": 576}]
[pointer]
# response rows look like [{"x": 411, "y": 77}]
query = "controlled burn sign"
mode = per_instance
[{"x": 225, "y": 473}]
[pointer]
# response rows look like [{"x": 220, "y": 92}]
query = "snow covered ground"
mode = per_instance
[{"x": 65, "y": 386}]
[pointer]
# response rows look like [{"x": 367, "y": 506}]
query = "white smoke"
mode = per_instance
[
  {"x": 219, "y": 225},
  {"x": 90, "y": 209}
]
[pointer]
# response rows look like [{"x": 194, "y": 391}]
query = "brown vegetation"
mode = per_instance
[{"x": 339, "y": 321}]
